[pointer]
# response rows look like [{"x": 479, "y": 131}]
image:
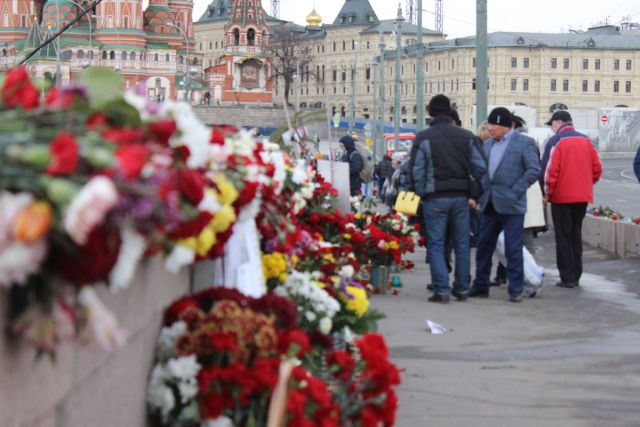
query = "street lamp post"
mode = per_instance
[
  {"x": 58, "y": 71},
  {"x": 420, "y": 74},
  {"x": 354, "y": 73},
  {"x": 396, "y": 106},
  {"x": 186, "y": 62},
  {"x": 374, "y": 110},
  {"x": 381, "y": 144}
]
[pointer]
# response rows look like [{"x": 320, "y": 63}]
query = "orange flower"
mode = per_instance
[{"x": 33, "y": 222}]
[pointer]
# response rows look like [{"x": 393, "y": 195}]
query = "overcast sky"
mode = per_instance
[{"x": 459, "y": 15}]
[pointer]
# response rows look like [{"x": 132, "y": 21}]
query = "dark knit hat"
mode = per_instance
[
  {"x": 439, "y": 106},
  {"x": 500, "y": 116}
]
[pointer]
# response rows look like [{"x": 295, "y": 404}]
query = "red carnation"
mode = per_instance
[
  {"x": 90, "y": 263},
  {"x": 296, "y": 340},
  {"x": 58, "y": 98},
  {"x": 190, "y": 183},
  {"x": 192, "y": 227},
  {"x": 224, "y": 341},
  {"x": 18, "y": 91},
  {"x": 163, "y": 130},
  {"x": 124, "y": 136},
  {"x": 131, "y": 159},
  {"x": 175, "y": 310},
  {"x": 64, "y": 155},
  {"x": 217, "y": 137},
  {"x": 97, "y": 120}
]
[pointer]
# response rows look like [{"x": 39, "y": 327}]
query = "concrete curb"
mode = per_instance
[{"x": 619, "y": 238}]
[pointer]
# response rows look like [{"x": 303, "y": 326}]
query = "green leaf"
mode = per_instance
[
  {"x": 103, "y": 85},
  {"x": 123, "y": 113}
]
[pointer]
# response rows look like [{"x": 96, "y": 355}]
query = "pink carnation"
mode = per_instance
[{"x": 89, "y": 208}]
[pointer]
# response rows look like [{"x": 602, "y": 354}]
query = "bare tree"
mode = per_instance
[{"x": 290, "y": 56}]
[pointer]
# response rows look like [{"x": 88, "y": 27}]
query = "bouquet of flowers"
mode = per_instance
[
  {"x": 386, "y": 238},
  {"x": 92, "y": 181},
  {"x": 218, "y": 358}
]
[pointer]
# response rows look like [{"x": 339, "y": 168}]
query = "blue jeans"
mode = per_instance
[
  {"x": 491, "y": 224},
  {"x": 438, "y": 213}
]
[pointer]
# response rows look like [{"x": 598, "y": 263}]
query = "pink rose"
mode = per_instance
[{"x": 89, "y": 208}]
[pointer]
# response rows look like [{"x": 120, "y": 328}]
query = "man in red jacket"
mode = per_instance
[{"x": 571, "y": 170}]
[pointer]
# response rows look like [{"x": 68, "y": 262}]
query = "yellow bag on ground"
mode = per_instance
[{"x": 407, "y": 202}]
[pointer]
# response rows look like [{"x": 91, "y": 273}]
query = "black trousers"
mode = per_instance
[{"x": 567, "y": 224}]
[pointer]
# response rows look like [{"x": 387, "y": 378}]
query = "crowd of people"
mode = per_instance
[{"x": 473, "y": 187}]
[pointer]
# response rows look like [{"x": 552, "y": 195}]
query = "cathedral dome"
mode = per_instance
[{"x": 313, "y": 19}]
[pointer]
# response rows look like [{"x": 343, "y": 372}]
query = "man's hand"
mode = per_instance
[{"x": 473, "y": 204}]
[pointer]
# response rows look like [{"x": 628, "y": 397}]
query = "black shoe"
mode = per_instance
[
  {"x": 498, "y": 281},
  {"x": 439, "y": 298},
  {"x": 515, "y": 297},
  {"x": 430, "y": 287},
  {"x": 459, "y": 295},
  {"x": 568, "y": 285},
  {"x": 474, "y": 292}
]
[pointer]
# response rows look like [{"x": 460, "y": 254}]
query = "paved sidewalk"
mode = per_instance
[{"x": 568, "y": 357}]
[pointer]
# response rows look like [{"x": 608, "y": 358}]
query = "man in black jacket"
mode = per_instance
[
  {"x": 356, "y": 163},
  {"x": 384, "y": 170},
  {"x": 445, "y": 160}
]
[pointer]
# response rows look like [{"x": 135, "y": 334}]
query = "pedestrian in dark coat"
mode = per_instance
[
  {"x": 636, "y": 165},
  {"x": 384, "y": 170},
  {"x": 356, "y": 163}
]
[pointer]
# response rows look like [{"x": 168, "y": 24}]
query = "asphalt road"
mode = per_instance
[{"x": 618, "y": 188}]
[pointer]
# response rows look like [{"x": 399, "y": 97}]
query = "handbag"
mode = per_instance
[{"x": 407, "y": 202}]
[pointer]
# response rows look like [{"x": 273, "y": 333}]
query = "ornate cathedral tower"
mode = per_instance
[
  {"x": 246, "y": 68},
  {"x": 119, "y": 23},
  {"x": 160, "y": 24},
  {"x": 17, "y": 17}
]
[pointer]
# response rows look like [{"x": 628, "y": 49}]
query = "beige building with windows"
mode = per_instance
[{"x": 578, "y": 70}]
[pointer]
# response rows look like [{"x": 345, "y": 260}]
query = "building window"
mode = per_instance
[
  {"x": 251, "y": 37},
  {"x": 132, "y": 56},
  {"x": 473, "y": 85},
  {"x": 616, "y": 86},
  {"x": 553, "y": 85},
  {"x": 525, "y": 63},
  {"x": 514, "y": 84},
  {"x": 334, "y": 46},
  {"x": 554, "y": 62},
  {"x": 525, "y": 85},
  {"x": 124, "y": 56},
  {"x": 344, "y": 45},
  {"x": 585, "y": 64},
  {"x": 90, "y": 54},
  {"x": 514, "y": 62},
  {"x": 236, "y": 37},
  {"x": 565, "y": 63},
  {"x": 565, "y": 85},
  {"x": 628, "y": 66},
  {"x": 585, "y": 85},
  {"x": 344, "y": 75},
  {"x": 627, "y": 86},
  {"x": 367, "y": 73},
  {"x": 453, "y": 64},
  {"x": 155, "y": 57},
  {"x": 126, "y": 22},
  {"x": 353, "y": 45},
  {"x": 80, "y": 54},
  {"x": 473, "y": 62},
  {"x": 112, "y": 55},
  {"x": 104, "y": 54},
  {"x": 438, "y": 65},
  {"x": 596, "y": 86},
  {"x": 616, "y": 64}
]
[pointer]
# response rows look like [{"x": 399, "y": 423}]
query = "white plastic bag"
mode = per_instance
[{"x": 533, "y": 273}]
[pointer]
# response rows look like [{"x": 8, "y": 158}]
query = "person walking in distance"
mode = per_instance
[
  {"x": 356, "y": 163},
  {"x": 513, "y": 166},
  {"x": 445, "y": 160},
  {"x": 572, "y": 168},
  {"x": 384, "y": 170}
]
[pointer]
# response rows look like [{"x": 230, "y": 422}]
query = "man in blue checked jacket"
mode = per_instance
[{"x": 513, "y": 166}]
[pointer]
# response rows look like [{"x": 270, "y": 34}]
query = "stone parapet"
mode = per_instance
[{"x": 86, "y": 386}]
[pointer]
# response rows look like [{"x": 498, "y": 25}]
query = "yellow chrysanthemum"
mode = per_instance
[
  {"x": 275, "y": 265},
  {"x": 223, "y": 219},
  {"x": 329, "y": 257},
  {"x": 227, "y": 193},
  {"x": 392, "y": 245},
  {"x": 347, "y": 236},
  {"x": 206, "y": 240},
  {"x": 355, "y": 300},
  {"x": 191, "y": 243}
]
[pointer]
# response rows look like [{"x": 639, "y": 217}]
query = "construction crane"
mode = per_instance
[
  {"x": 275, "y": 8},
  {"x": 439, "y": 16}
]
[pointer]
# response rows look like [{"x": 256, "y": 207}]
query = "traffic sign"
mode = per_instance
[{"x": 604, "y": 120}]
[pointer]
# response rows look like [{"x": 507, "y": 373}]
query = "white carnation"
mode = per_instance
[
  {"x": 168, "y": 338},
  {"x": 184, "y": 368},
  {"x": 325, "y": 325}
]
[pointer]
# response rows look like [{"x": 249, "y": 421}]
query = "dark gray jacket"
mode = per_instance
[{"x": 445, "y": 160}]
